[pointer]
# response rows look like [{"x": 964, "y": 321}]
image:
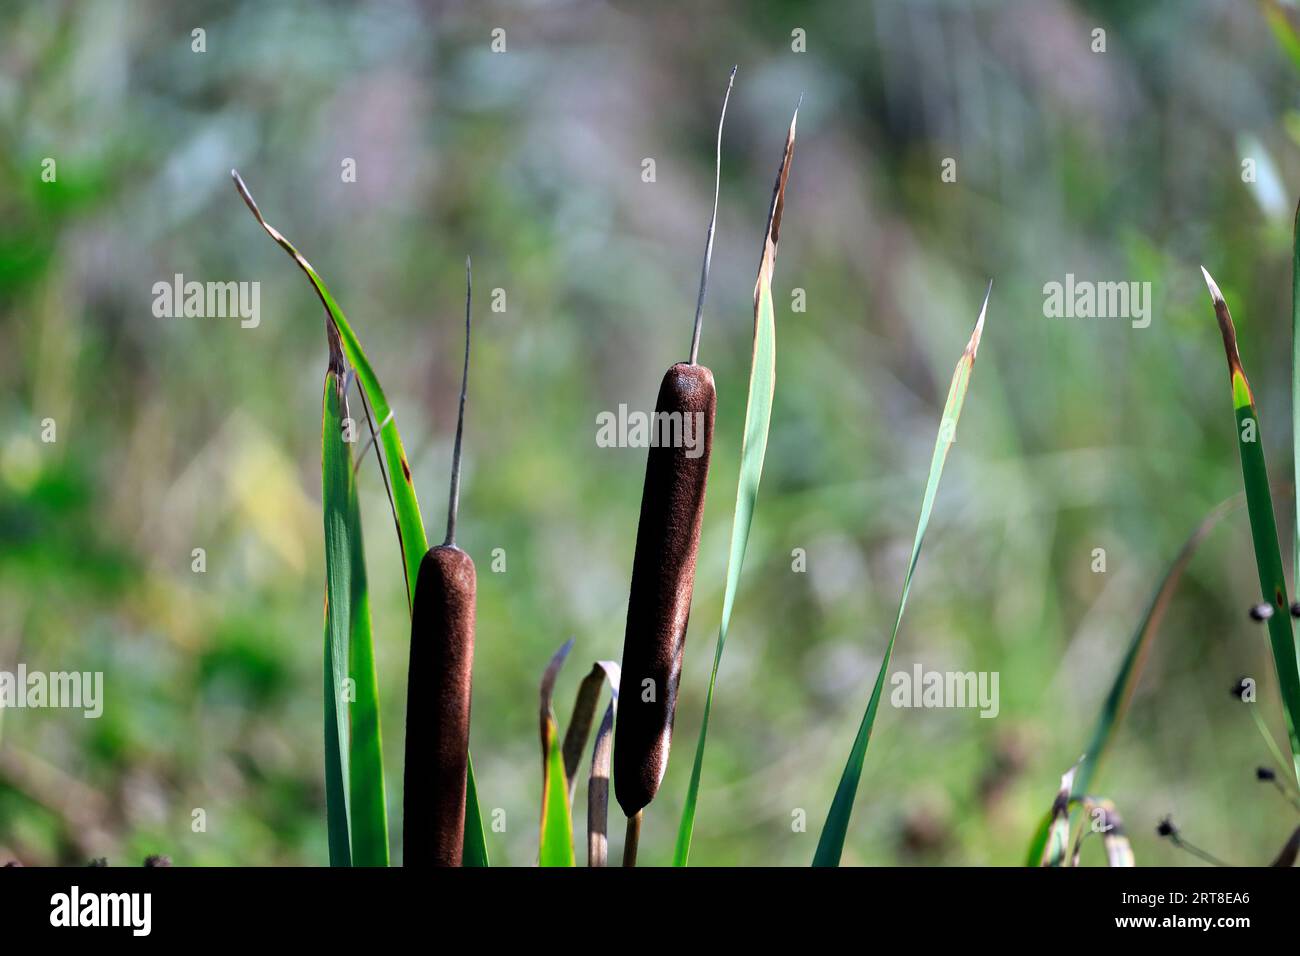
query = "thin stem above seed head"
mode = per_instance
[
  {"x": 708, "y": 241},
  {"x": 453, "y": 495}
]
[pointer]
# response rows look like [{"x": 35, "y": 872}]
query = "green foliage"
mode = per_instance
[
  {"x": 339, "y": 495},
  {"x": 831, "y": 844},
  {"x": 1263, "y": 526}
]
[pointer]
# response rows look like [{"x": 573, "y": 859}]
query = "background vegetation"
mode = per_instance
[{"x": 1078, "y": 434}]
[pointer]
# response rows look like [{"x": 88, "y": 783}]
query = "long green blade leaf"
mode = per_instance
[
  {"x": 556, "y": 847},
  {"x": 831, "y": 844},
  {"x": 1295, "y": 386},
  {"x": 406, "y": 509},
  {"x": 411, "y": 538},
  {"x": 753, "y": 449},
  {"x": 556, "y": 841},
  {"x": 368, "y": 805},
  {"x": 1121, "y": 689},
  {"x": 474, "y": 844},
  {"x": 1263, "y": 525},
  {"x": 1120, "y": 694},
  {"x": 336, "y": 483}
]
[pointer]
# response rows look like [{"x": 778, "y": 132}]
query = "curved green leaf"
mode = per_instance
[
  {"x": 831, "y": 844},
  {"x": 406, "y": 509},
  {"x": 1121, "y": 689},
  {"x": 1038, "y": 842},
  {"x": 411, "y": 538}
]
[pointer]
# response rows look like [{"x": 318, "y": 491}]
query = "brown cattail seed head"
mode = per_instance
[
  {"x": 663, "y": 577},
  {"x": 437, "y": 708}
]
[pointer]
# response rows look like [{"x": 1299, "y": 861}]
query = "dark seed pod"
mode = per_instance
[
  {"x": 663, "y": 577},
  {"x": 437, "y": 708},
  {"x": 1261, "y": 612},
  {"x": 1265, "y": 773},
  {"x": 1166, "y": 828}
]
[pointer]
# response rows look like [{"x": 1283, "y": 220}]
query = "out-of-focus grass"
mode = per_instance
[{"x": 1093, "y": 434}]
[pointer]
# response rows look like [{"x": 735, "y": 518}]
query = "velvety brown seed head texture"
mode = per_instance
[
  {"x": 659, "y": 606},
  {"x": 437, "y": 708}
]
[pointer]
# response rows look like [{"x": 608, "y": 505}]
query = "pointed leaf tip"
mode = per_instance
[
  {"x": 1215, "y": 294},
  {"x": 1226, "y": 327},
  {"x": 830, "y": 846}
]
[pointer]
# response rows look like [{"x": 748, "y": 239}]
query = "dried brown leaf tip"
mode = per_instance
[
  {"x": 546, "y": 712},
  {"x": 271, "y": 231},
  {"x": 767, "y": 262},
  {"x": 1226, "y": 328},
  {"x": 280, "y": 239},
  {"x": 337, "y": 363}
]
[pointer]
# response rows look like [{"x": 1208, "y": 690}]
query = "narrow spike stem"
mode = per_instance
[
  {"x": 708, "y": 241},
  {"x": 453, "y": 495},
  {"x": 633, "y": 839}
]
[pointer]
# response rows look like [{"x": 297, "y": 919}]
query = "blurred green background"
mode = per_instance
[{"x": 174, "y": 434}]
